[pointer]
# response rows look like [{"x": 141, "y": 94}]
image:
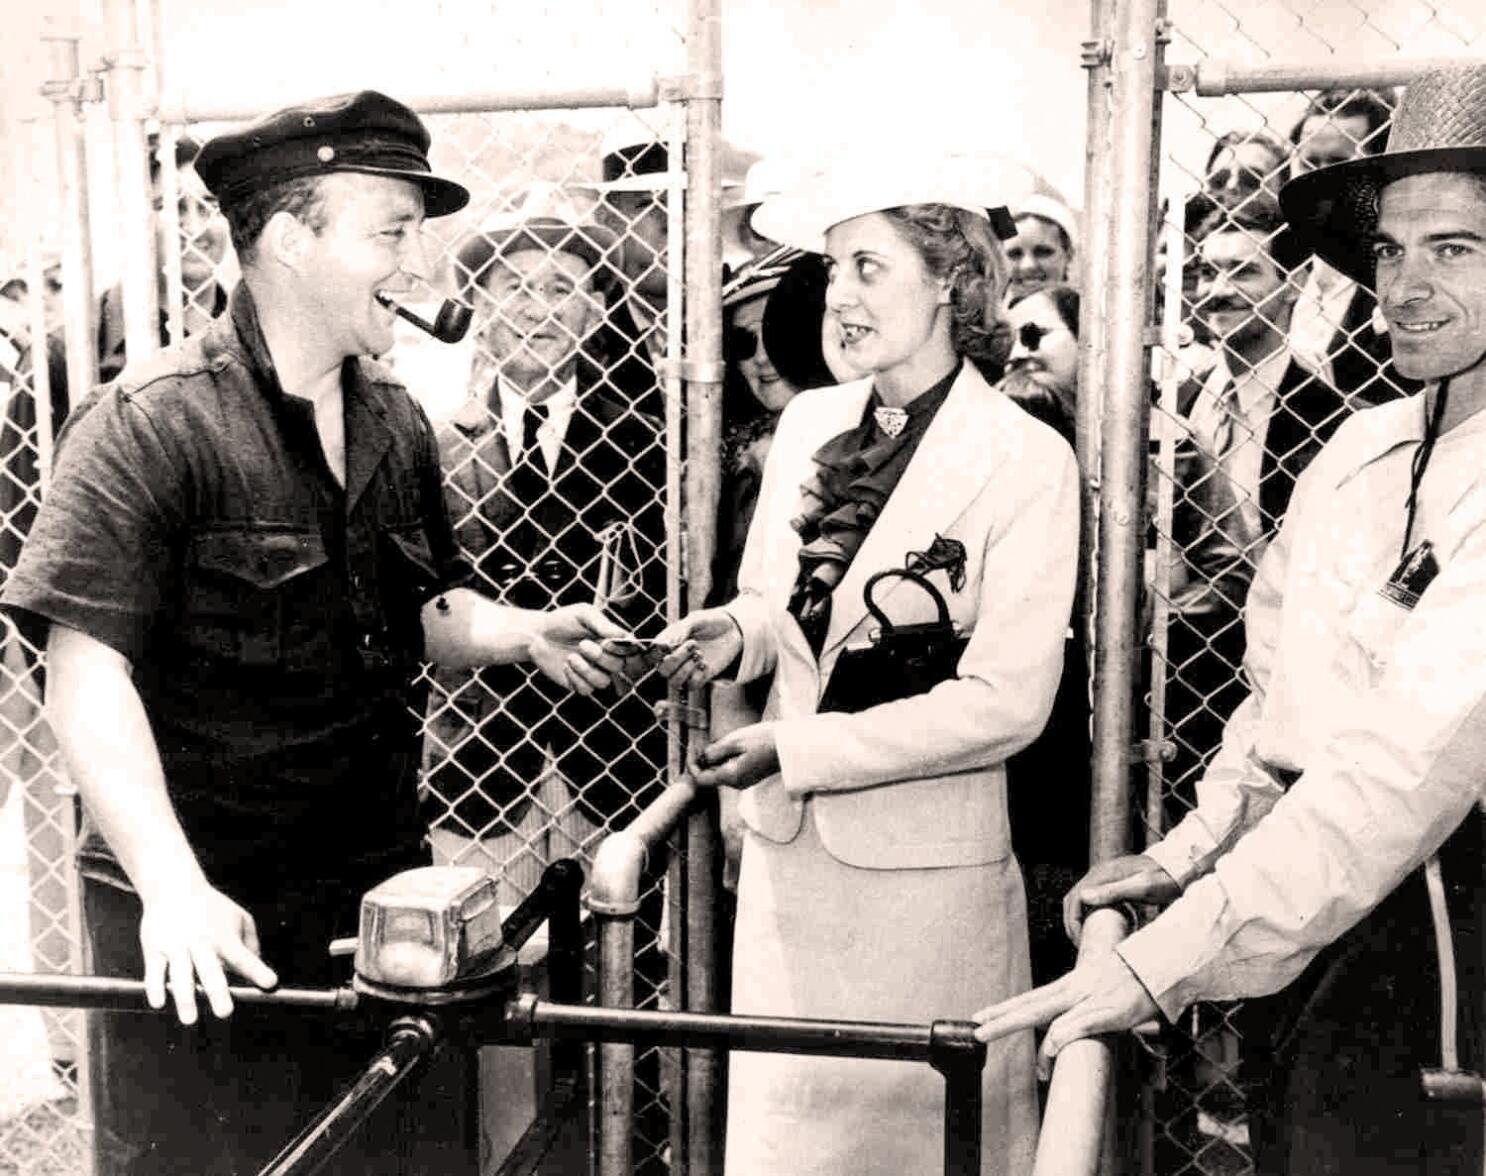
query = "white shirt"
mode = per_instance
[
  {"x": 1319, "y": 313},
  {"x": 1384, "y": 709},
  {"x": 550, "y": 433},
  {"x": 1253, "y": 399}
]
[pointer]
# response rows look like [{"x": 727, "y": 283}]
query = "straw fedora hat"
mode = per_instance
[{"x": 1440, "y": 126}]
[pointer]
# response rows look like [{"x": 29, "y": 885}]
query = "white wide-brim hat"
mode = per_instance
[{"x": 982, "y": 184}]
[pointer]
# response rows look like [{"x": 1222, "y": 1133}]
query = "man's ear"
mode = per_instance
[{"x": 286, "y": 240}]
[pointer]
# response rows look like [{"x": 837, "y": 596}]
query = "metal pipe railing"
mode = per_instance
[
  {"x": 613, "y": 896},
  {"x": 1215, "y": 78},
  {"x": 409, "y": 1041},
  {"x": 1078, "y": 1098},
  {"x": 182, "y": 107}
]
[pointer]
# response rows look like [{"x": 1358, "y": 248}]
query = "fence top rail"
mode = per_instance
[
  {"x": 637, "y": 94},
  {"x": 1215, "y": 78}
]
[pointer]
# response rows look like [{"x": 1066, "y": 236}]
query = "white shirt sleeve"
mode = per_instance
[{"x": 1383, "y": 794}]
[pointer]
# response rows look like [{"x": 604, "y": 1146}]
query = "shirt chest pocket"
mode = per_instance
[
  {"x": 257, "y": 596},
  {"x": 1372, "y": 630}
]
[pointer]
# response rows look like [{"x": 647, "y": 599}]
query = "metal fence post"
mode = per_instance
[
  {"x": 703, "y": 371},
  {"x": 68, "y": 91},
  {"x": 138, "y": 266},
  {"x": 1135, "y": 52}
]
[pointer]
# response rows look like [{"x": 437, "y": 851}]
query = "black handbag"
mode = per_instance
[{"x": 901, "y": 660}]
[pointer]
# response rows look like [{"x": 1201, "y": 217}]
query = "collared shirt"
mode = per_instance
[
  {"x": 1230, "y": 420},
  {"x": 271, "y": 617},
  {"x": 553, "y": 430},
  {"x": 1319, "y": 313},
  {"x": 1380, "y": 709}
]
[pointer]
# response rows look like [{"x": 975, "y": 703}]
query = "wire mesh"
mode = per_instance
[
  {"x": 1265, "y": 353},
  {"x": 43, "y": 1117},
  {"x": 576, "y": 315}
]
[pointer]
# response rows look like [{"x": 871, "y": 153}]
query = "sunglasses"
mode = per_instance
[
  {"x": 1031, "y": 335},
  {"x": 741, "y": 343}
]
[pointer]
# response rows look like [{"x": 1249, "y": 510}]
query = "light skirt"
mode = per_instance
[{"x": 818, "y": 938}]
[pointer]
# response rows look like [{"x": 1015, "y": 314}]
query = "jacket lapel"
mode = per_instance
[{"x": 952, "y": 463}]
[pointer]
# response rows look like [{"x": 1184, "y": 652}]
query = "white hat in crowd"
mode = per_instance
[{"x": 855, "y": 186}]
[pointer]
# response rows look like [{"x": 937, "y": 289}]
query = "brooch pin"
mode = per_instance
[
  {"x": 890, "y": 420},
  {"x": 946, "y": 554}
]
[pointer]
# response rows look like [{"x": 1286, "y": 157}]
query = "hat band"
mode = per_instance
[
  {"x": 311, "y": 156},
  {"x": 640, "y": 160}
]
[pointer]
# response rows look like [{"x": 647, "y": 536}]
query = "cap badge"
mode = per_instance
[{"x": 326, "y": 153}]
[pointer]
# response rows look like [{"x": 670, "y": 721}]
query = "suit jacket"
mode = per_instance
[
  {"x": 920, "y": 781},
  {"x": 533, "y": 540},
  {"x": 1220, "y": 552}
]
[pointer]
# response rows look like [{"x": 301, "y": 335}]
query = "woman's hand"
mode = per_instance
[
  {"x": 702, "y": 646},
  {"x": 739, "y": 758}
]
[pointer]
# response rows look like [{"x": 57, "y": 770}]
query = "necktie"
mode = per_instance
[
  {"x": 1223, "y": 422},
  {"x": 532, "y": 419}
]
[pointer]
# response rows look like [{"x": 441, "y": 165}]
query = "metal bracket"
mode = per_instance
[
  {"x": 1163, "y": 31},
  {"x": 693, "y": 371},
  {"x": 694, "y": 717},
  {"x": 680, "y": 87},
  {"x": 1177, "y": 79},
  {"x": 80, "y": 90},
  {"x": 1152, "y": 751},
  {"x": 1096, "y": 54}
]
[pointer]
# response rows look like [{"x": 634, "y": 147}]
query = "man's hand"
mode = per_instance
[
  {"x": 187, "y": 935},
  {"x": 703, "y": 644},
  {"x": 565, "y": 647},
  {"x": 1132, "y": 878},
  {"x": 1100, "y": 996},
  {"x": 739, "y": 758}
]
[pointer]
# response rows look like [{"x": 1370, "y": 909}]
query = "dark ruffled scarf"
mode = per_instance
[{"x": 856, "y": 472}]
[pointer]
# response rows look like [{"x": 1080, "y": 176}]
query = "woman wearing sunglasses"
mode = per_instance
[
  {"x": 877, "y": 879},
  {"x": 1042, "y": 369}
]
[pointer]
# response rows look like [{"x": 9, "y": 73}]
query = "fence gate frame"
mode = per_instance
[
  {"x": 1120, "y": 338},
  {"x": 133, "y": 78}
]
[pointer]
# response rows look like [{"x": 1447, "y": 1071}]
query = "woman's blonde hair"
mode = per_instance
[{"x": 958, "y": 245}]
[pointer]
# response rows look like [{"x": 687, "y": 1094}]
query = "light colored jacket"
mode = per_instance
[{"x": 1005, "y": 486}]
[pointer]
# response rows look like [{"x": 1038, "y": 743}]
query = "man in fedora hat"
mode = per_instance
[
  {"x": 242, "y": 559},
  {"x": 1335, "y": 854},
  {"x": 636, "y": 178},
  {"x": 555, "y": 488}
]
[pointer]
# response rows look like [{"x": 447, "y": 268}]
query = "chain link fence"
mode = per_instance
[
  {"x": 1263, "y": 354},
  {"x": 570, "y": 253}
]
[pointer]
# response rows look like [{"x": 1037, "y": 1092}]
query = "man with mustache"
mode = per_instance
[
  {"x": 1333, "y": 866},
  {"x": 1254, "y": 422}
]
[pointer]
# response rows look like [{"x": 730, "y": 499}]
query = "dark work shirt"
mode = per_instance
[{"x": 271, "y": 617}]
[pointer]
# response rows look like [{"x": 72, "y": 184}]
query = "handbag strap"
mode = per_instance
[{"x": 901, "y": 574}]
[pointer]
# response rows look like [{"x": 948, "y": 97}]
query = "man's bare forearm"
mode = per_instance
[
  {"x": 110, "y": 751},
  {"x": 462, "y": 628}
]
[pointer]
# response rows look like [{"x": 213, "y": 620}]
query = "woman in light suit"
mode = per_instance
[{"x": 877, "y": 879}]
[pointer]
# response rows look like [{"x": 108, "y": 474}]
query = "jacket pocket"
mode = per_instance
[{"x": 249, "y": 592}]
